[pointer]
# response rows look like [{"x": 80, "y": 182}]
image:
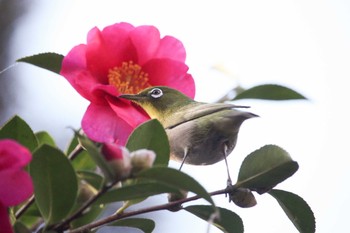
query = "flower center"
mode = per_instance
[{"x": 128, "y": 78}]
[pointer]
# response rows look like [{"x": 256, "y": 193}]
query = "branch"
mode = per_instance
[
  {"x": 167, "y": 206},
  {"x": 64, "y": 225}
]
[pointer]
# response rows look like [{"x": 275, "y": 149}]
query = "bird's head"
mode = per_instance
[{"x": 160, "y": 101}]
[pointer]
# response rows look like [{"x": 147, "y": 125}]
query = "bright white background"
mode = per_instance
[{"x": 301, "y": 44}]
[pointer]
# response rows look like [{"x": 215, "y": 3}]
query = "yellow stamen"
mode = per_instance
[{"x": 128, "y": 78}]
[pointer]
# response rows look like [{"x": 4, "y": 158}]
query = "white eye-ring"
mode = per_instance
[{"x": 156, "y": 93}]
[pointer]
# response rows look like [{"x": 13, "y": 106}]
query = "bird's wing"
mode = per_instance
[{"x": 194, "y": 111}]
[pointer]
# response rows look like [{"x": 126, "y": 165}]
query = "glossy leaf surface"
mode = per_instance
[
  {"x": 151, "y": 135},
  {"x": 265, "y": 168},
  {"x": 297, "y": 210},
  {"x": 48, "y": 61},
  {"x": 269, "y": 92},
  {"x": 55, "y": 183}
]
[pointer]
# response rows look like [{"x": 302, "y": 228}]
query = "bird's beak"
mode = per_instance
[{"x": 131, "y": 97}]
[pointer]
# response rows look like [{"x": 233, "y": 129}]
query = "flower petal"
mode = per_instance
[
  {"x": 146, "y": 40},
  {"x": 16, "y": 186},
  {"x": 108, "y": 49},
  {"x": 171, "y": 48},
  {"x": 132, "y": 114},
  {"x": 101, "y": 124},
  {"x": 75, "y": 71},
  {"x": 167, "y": 72},
  {"x": 5, "y": 224},
  {"x": 118, "y": 44}
]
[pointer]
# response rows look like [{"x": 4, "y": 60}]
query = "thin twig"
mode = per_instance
[
  {"x": 74, "y": 153},
  {"x": 142, "y": 211},
  {"x": 24, "y": 207}
]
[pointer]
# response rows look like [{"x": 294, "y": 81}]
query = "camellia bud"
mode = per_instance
[
  {"x": 175, "y": 197},
  {"x": 86, "y": 192},
  {"x": 243, "y": 197},
  {"x": 118, "y": 159},
  {"x": 142, "y": 159}
]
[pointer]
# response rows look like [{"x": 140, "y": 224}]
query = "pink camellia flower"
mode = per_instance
[
  {"x": 16, "y": 184},
  {"x": 123, "y": 59}
]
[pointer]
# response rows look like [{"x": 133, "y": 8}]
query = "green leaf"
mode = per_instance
[
  {"x": 135, "y": 191},
  {"x": 45, "y": 138},
  {"x": 151, "y": 135},
  {"x": 226, "y": 220},
  {"x": 265, "y": 168},
  {"x": 176, "y": 179},
  {"x": 269, "y": 92},
  {"x": 48, "y": 61},
  {"x": 297, "y": 210},
  {"x": 17, "y": 129},
  {"x": 72, "y": 144},
  {"x": 55, "y": 183},
  {"x": 96, "y": 156},
  {"x": 144, "y": 224},
  {"x": 83, "y": 161}
]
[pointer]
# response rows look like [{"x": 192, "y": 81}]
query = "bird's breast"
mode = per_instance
[{"x": 204, "y": 139}]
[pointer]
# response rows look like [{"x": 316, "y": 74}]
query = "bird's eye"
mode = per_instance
[{"x": 156, "y": 93}]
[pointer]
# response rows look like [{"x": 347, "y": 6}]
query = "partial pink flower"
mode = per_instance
[
  {"x": 123, "y": 59},
  {"x": 16, "y": 184}
]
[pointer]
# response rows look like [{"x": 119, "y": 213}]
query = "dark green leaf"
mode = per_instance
[
  {"x": 80, "y": 158},
  {"x": 176, "y": 179},
  {"x": 97, "y": 157},
  {"x": 17, "y": 129},
  {"x": 151, "y": 135},
  {"x": 72, "y": 144},
  {"x": 83, "y": 162},
  {"x": 269, "y": 92},
  {"x": 265, "y": 168},
  {"x": 45, "y": 138},
  {"x": 55, "y": 183},
  {"x": 92, "y": 178},
  {"x": 48, "y": 61},
  {"x": 226, "y": 220},
  {"x": 145, "y": 225},
  {"x": 297, "y": 210},
  {"x": 135, "y": 191}
]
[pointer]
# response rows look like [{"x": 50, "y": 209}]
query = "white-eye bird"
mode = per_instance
[{"x": 199, "y": 133}]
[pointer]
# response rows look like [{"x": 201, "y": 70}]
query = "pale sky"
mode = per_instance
[{"x": 301, "y": 44}]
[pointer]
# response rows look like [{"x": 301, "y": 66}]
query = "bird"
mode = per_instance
[{"x": 199, "y": 133}]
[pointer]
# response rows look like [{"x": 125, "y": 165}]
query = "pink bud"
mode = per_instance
[
  {"x": 142, "y": 159},
  {"x": 118, "y": 159}
]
